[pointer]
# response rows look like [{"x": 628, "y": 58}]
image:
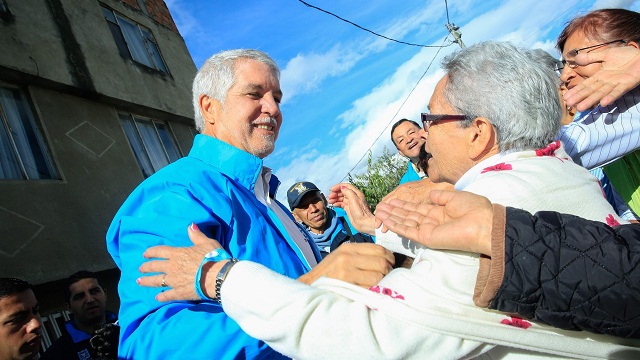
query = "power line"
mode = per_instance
[
  {"x": 365, "y": 29},
  {"x": 401, "y": 105}
]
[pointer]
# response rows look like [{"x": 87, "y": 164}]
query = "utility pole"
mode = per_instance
[{"x": 457, "y": 36}]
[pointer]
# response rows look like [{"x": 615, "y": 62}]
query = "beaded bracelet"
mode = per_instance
[
  {"x": 216, "y": 255},
  {"x": 222, "y": 275}
]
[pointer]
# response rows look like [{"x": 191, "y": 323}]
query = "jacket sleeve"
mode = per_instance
[
  {"x": 565, "y": 271},
  {"x": 606, "y": 133},
  {"x": 177, "y": 329},
  {"x": 341, "y": 322}
]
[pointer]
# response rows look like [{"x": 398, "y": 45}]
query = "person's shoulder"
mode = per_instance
[{"x": 339, "y": 212}]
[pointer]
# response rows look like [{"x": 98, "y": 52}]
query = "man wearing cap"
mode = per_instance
[
  {"x": 405, "y": 135},
  {"x": 328, "y": 227}
]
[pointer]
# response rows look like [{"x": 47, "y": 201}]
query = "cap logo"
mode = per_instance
[{"x": 299, "y": 187}]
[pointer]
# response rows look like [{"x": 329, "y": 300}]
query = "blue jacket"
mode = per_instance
[
  {"x": 213, "y": 187},
  {"x": 336, "y": 230},
  {"x": 409, "y": 175}
]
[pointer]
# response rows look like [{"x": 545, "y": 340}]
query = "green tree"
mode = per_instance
[{"x": 381, "y": 177}]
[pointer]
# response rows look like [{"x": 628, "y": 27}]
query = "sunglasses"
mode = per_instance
[{"x": 429, "y": 119}]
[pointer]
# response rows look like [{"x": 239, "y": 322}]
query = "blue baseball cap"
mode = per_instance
[{"x": 297, "y": 191}]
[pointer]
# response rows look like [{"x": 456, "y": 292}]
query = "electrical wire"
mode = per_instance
[
  {"x": 365, "y": 29},
  {"x": 401, "y": 105}
]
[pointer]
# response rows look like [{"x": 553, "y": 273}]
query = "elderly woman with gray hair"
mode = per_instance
[{"x": 496, "y": 112}]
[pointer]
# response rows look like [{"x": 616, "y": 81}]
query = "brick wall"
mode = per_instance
[{"x": 159, "y": 12}]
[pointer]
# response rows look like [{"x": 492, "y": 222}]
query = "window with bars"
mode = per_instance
[
  {"x": 152, "y": 142},
  {"x": 23, "y": 151},
  {"x": 134, "y": 41}
]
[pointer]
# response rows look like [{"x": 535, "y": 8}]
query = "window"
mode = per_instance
[
  {"x": 134, "y": 41},
  {"x": 23, "y": 154},
  {"x": 5, "y": 13},
  {"x": 151, "y": 141}
]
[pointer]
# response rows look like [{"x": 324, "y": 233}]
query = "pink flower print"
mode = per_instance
[
  {"x": 517, "y": 322},
  {"x": 386, "y": 291},
  {"x": 549, "y": 150},
  {"x": 611, "y": 221},
  {"x": 497, "y": 167}
]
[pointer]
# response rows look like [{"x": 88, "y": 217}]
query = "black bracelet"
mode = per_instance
[{"x": 222, "y": 275}]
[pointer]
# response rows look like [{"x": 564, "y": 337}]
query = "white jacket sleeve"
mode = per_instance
[
  {"x": 396, "y": 243},
  {"x": 306, "y": 322}
]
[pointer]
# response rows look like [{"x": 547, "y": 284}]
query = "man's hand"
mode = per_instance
[
  {"x": 416, "y": 191},
  {"x": 457, "y": 221},
  {"x": 178, "y": 267},
  {"x": 620, "y": 73},
  {"x": 352, "y": 200},
  {"x": 360, "y": 264}
]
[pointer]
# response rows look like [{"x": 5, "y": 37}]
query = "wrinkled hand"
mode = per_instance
[
  {"x": 620, "y": 73},
  {"x": 416, "y": 191},
  {"x": 362, "y": 264},
  {"x": 179, "y": 265},
  {"x": 352, "y": 200},
  {"x": 457, "y": 221}
]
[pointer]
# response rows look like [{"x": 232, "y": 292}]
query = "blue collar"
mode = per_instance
[
  {"x": 78, "y": 335},
  {"x": 236, "y": 164}
]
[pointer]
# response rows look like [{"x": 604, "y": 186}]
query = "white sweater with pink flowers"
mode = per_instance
[{"x": 427, "y": 311}]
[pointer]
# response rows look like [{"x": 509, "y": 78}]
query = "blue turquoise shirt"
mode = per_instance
[
  {"x": 213, "y": 187},
  {"x": 410, "y": 175}
]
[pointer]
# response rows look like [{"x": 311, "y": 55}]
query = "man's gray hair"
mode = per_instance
[
  {"x": 217, "y": 75},
  {"x": 511, "y": 87}
]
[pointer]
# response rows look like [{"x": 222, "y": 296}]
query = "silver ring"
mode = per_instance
[{"x": 163, "y": 283}]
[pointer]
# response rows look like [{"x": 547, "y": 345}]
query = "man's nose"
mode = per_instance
[
  {"x": 270, "y": 105},
  {"x": 34, "y": 324}
]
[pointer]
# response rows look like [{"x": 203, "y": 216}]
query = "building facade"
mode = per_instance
[{"x": 95, "y": 95}]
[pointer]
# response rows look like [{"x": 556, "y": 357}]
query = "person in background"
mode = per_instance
[
  {"x": 86, "y": 301},
  {"x": 328, "y": 227},
  {"x": 20, "y": 324},
  {"x": 606, "y": 136},
  {"x": 405, "y": 135}
]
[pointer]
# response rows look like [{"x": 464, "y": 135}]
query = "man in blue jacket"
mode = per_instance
[
  {"x": 405, "y": 135},
  {"x": 223, "y": 188},
  {"x": 328, "y": 227},
  {"x": 86, "y": 300}
]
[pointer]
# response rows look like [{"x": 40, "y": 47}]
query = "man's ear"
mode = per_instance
[
  {"x": 634, "y": 44},
  {"x": 295, "y": 216},
  {"x": 210, "y": 109},
  {"x": 324, "y": 200},
  {"x": 482, "y": 139}
]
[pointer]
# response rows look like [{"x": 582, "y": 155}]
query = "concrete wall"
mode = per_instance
[{"x": 62, "y": 53}]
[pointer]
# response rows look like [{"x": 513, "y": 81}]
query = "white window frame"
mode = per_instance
[
  {"x": 25, "y": 154},
  {"x": 142, "y": 45},
  {"x": 152, "y": 142}
]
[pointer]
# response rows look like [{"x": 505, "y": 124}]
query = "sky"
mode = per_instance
[{"x": 343, "y": 86}]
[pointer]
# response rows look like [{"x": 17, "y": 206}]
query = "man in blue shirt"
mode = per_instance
[
  {"x": 328, "y": 227},
  {"x": 405, "y": 135},
  {"x": 224, "y": 189},
  {"x": 86, "y": 300}
]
